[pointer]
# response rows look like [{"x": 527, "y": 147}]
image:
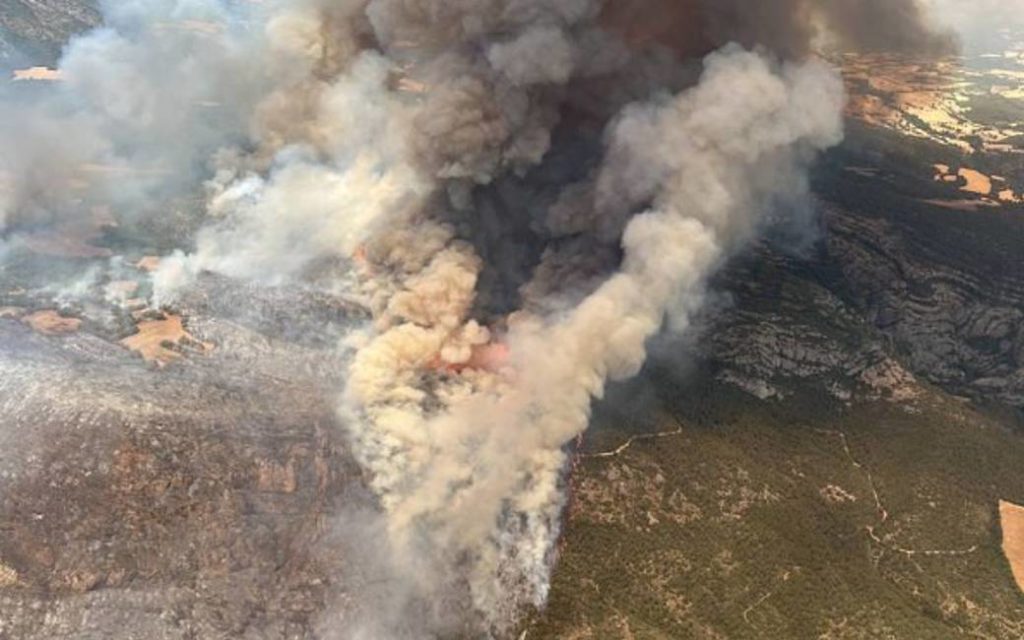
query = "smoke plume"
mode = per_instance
[{"x": 521, "y": 192}]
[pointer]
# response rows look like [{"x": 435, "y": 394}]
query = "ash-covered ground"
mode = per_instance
[{"x": 193, "y": 498}]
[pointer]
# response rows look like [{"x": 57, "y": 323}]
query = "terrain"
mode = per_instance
[
  {"x": 182, "y": 501},
  {"x": 832, "y": 468},
  {"x": 823, "y": 457},
  {"x": 833, "y": 462},
  {"x": 33, "y": 32}
]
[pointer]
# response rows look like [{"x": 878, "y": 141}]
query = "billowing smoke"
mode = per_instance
[
  {"x": 521, "y": 192},
  {"x": 788, "y": 27}
]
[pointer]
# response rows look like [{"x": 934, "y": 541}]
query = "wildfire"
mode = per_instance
[{"x": 486, "y": 357}]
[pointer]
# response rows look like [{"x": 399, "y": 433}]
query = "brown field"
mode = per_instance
[
  {"x": 977, "y": 182},
  {"x": 160, "y": 341},
  {"x": 51, "y": 323},
  {"x": 1011, "y": 517},
  {"x": 38, "y": 73}
]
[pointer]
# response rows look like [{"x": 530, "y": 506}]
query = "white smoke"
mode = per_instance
[{"x": 479, "y": 477}]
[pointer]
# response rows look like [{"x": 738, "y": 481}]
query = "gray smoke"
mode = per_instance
[
  {"x": 790, "y": 28},
  {"x": 521, "y": 192}
]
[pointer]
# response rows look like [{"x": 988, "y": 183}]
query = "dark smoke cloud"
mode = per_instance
[
  {"x": 898, "y": 26},
  {"x": 789, "y": 28}
]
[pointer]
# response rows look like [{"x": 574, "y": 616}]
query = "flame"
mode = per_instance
[{"x": 486, "y": 357}]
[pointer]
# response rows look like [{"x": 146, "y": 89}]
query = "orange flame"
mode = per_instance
[{"x": 485, "y": 357}]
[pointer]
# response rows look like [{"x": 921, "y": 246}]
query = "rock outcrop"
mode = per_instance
[{"x": 890, "y": 291}]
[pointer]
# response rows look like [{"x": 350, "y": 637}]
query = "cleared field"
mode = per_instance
[{"x": 1011, "y": 517}]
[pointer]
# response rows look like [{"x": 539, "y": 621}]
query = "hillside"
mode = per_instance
[
  {"x": 823, "y": 456},
  {"x": 834, "y": 441},
  {"x": 33, "y": 32},
  {"x": 801, "y": 519},
  {"x": 831, "y": 462}
]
